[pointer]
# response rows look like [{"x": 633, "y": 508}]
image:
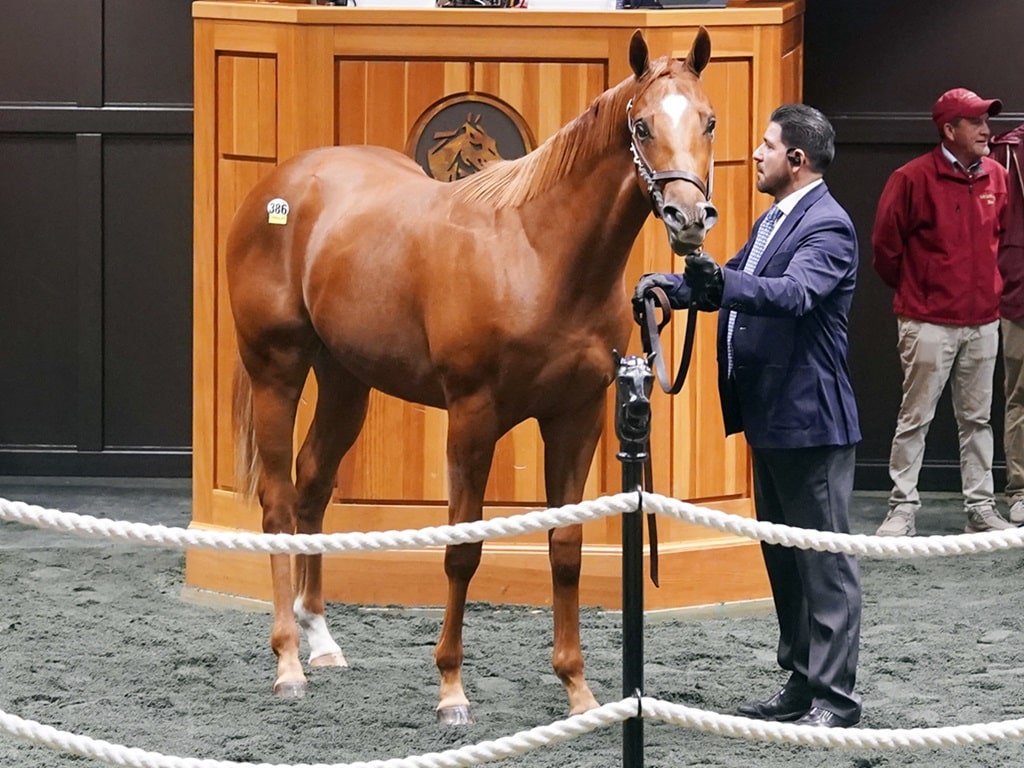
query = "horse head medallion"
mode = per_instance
[
  {"x": 672, "y": 126},
  {"x": 463, "y": 151}
]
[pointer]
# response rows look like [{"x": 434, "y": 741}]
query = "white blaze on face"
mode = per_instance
[{"x": 675, "y": 106}]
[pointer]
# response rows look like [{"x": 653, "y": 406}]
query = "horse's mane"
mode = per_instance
[{"x": 512, "y": 182}]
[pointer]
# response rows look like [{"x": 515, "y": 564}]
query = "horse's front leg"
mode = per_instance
[
  {"x": 460, "y": 563},
  {"x": 565, "y": 547},
  {"x": 569, "y": 444},
  {"x": 472, "y": 434}
]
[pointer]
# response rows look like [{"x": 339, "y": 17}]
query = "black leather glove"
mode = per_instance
[
  {"x": 705, "y": 279},
  {"x": 651, "y": 280}
]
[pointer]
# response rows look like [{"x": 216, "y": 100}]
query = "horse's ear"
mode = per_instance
[
  {"x": 700, "y": 51},
  {"x": 638, "y": 58}
]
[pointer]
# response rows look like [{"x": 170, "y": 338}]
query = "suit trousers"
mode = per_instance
[
  {"x": 931, "y": 355},
  {"x": 817, "y": 595},
  {"x": 1013, "y": 433}
]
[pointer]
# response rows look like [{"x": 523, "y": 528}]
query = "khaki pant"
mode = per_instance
[
  {"x": 1013, "y": 434},
  {"x": 931, "y": 355}
]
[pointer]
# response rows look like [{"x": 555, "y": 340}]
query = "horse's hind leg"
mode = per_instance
[
  {"x": 472, "y": 434},
  {"x": 569, "y": 443},
  {"x": 340, "y": 410},
  {"x": 277, "y": 377}
]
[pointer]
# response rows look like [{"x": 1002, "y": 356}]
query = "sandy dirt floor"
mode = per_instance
[{"x": 96, "y": 639}]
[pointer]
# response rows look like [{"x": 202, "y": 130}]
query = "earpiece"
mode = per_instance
[{"x": 793, "y": 155}]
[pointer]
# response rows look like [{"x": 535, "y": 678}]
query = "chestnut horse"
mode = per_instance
[{"x": 498, "y": 297}]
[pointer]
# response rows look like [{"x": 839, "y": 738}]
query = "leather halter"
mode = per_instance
[
  {"x": 645, "y": 316},
  {"x": 655, "y": 180},
  {"x": 649, "y": 327}
]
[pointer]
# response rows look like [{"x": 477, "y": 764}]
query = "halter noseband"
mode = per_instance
[{"x": 655, "y": 180}]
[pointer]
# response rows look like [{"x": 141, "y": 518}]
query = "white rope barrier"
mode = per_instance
[
  {"x": 810, "y": 735},
  {"x": 825, "y": 541},
  {"x": 562, "y": 730},
  {"x": 504, "y": 527},
  {"x": 314, "y": 543},
  {"x": 476, "y": 754}
]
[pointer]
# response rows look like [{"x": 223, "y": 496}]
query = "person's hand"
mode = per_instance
[
  {"x": 649, "y": 281},
  {"x": 706, "y": 281}
]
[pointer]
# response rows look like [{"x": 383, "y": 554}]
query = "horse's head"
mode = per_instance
[{"x": 672, "y": 130}]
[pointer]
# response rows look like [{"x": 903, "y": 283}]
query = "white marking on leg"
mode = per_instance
[{"x": 314, "y": 626}]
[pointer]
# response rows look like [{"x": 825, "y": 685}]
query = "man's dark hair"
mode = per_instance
[{"x": 806, "y": 128}]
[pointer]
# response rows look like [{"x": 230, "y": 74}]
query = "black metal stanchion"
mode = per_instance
[{"x": 633, "y": 428}]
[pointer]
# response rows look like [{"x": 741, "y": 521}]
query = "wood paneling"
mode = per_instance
[
  {"x": 39, "y": 374},
  {"x": 95, "y": 157},
  {"x": 146, "y": 52},
  {"x": 367, "y": 78},
  {"x": 247, "y": 107},
  {"x": 31, "y": 31},
  {"x": 145, "y": 324}
]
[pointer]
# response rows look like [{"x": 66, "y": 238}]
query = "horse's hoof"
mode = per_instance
[
  {"x": 457, "y": 715},
  {"x": 329, "y": 660},
  {"x": 294, "y": 690}
]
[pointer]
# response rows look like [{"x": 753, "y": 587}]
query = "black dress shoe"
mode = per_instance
[
  {"x": 783, "y": 706},
  {"x": 825, "y": 718}
]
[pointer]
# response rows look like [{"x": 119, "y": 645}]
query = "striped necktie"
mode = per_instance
[{"x": 764, "y": 233}]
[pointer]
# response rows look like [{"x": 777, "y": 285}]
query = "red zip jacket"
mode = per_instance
[
  {"x": 1008, "y": 151},
  {"x": 935, "y": 240}
]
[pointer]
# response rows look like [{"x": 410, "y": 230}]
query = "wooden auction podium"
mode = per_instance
[{"x": 272, "y": 79}]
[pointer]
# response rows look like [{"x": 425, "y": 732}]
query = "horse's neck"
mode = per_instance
[
  {"x": 604, "y": 202},
  {"x": 577, "y": 196},
  {"x": 600, "y": 195}
]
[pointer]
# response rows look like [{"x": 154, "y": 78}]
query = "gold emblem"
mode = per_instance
[{"x": 462, "y": 133}]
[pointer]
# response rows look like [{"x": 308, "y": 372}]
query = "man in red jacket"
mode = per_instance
[
  {"x": 935, "y": 242},
  {"x": 1008, "y": 151}
]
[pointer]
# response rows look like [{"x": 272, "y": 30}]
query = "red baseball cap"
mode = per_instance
[{"x": 960, "y": 102}]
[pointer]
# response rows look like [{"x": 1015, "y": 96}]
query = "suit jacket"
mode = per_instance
[{"x": 790, "y": 386}]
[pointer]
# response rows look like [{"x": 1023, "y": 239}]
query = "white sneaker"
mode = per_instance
[
  {"x": 899, "y": 522},
  {"x": 984, "y": 517},
  {"x": 1017, "y": 511}
]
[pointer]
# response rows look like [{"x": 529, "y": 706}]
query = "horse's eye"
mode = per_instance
[
  {"x": 711, "y": 127},
  {"x": 642, "y": 131}
]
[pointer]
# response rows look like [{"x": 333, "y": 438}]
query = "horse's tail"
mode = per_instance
[{"x": 247, "y": 459}]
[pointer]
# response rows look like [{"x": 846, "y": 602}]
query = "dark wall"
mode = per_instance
[
  {"x": 96, "y": 251},
  {"x": 96, "y": 168},
  {"x": 875, "y": 67}
]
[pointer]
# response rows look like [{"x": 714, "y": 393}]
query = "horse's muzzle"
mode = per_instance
[{"x": 688, "y": 228}]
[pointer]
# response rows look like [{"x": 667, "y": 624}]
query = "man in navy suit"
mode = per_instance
[{"x": 784, "y": 303}]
